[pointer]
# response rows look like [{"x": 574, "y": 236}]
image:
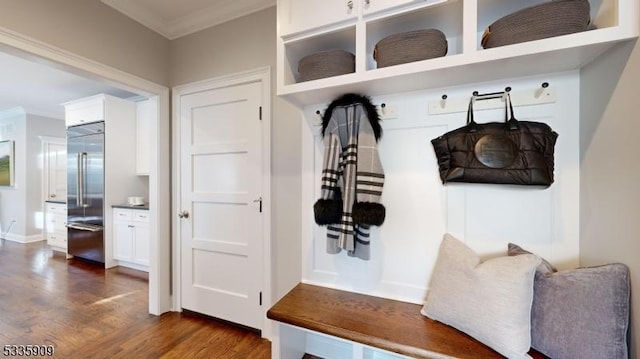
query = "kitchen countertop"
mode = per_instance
[{"x": 129, "y": 206}]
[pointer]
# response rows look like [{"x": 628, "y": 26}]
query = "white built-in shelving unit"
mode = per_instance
[{"x": 306, "y": 27}]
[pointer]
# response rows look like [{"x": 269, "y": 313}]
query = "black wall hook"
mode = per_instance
[
  {"x": 382, "y": 105},
  {"x": 488, "y": 96}
]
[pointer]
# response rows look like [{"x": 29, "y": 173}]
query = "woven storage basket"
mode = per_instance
[
  {"x": 554, "y": 18},
  {"x": 410, "y": 46},
  {"x": 326, "y": 64}
]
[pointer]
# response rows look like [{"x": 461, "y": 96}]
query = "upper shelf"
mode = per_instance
[{"x": 463, "y": 22}]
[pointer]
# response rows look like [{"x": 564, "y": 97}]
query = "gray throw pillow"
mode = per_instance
[
  {"x": 581, "y": 313},
  {"x": 544, "y": 267}
]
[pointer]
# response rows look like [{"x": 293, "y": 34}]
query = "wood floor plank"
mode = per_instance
[{"x": 86, "y": 311}]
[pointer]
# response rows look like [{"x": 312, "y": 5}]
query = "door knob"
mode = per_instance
[
  {"x": 350, "y": 4},
  {"x": 183, "y": 214}
]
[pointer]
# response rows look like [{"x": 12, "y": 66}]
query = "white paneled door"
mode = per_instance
[{"x": 221, "y": 221}]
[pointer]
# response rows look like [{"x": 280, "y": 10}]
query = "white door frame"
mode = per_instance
[
  {"x": 263, "y": 76},
  {"x": 44, "y": 142},
  {"x": 159, "y": 177}
]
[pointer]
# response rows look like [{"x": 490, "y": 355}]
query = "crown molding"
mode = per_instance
[
  {"x": 140, "y": 14},
  {"x": 216, "y": 14}
]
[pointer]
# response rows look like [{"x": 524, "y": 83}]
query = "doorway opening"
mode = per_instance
[{"x": 111, "y": 79}]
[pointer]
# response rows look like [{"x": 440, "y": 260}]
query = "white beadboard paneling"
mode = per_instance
[
  {"x": 495, "y": 214},
  {"x": 414, "y": 211},
  {"x": 420, "y": 209}
]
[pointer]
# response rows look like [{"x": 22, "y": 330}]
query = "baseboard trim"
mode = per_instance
[{"x": 24, "y": 239}]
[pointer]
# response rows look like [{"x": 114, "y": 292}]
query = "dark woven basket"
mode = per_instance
[
  {"x": 326, "y": 64},
  {"x": 554, "y": 18},
  {"x": 410, "y": 46}
]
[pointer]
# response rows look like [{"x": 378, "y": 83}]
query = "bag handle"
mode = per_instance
[
  {"x": 470, "y": 121},
  {"x": 509, "y": 118},
  {"x": 512, "y": 123}
]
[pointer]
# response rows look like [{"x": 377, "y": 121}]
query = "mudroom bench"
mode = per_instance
[{"x": 314, "y": 321}]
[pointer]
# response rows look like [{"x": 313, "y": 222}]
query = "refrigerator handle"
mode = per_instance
[
  {"x": 84, "y": 227},
  {"x": 84, "y": 180},
  {"x": 79, "y": 181}
]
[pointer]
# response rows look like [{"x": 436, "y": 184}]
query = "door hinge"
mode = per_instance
[
  {"x": 260, "y": 298},
  {"x": 260, "y": 112}
]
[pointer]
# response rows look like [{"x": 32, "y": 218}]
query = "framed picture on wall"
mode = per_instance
[{"x": 6, "y": 163}]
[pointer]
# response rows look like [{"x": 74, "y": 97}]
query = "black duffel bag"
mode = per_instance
[{"x": 509, "y": 152}]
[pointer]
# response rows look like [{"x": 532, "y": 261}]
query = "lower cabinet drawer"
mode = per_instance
[
  {"x": 120, "y": 214},
  {"x": 57, "y": 239},
  {"x": 141, "y": 216},
  {"x": 57, "y": 208}
]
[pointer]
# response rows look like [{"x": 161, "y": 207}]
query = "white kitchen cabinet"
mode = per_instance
[
  {"x": 304, "y": 16},
  {"x": 146, "y": 112},
  {"x": 96, "y": 108},
  {"x": 297, "y": 16},
  {"x": 84, "y": 111},
  {"x": 55, "y": 215},
  {"x": 141, "y": 245},
  {"x": 463, "y": 23},
  {"x": 131, "y": 237}
]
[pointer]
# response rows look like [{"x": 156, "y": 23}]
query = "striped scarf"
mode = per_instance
[{"x": 352, "y": 177}]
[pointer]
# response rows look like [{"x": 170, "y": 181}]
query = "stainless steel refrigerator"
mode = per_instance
[{"x": 85, "y": 191}]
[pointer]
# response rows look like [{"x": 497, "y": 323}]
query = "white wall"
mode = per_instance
[
  {"x": 420, "y": 209},
  {"x": 13, "y": 199},
  {"x": 22, "y": 203},
  {"x": 91, "y": 29},
  {"x": 244, "y": 44},
  {"x": 610, "y": 175}
]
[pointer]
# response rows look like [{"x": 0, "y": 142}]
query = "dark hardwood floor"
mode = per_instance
[{"x": 89, "y": 312}]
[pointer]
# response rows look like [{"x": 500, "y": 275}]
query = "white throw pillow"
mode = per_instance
[{"x": 490, "y": 301}]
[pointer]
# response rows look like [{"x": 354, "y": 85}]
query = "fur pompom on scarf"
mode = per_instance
[{"x": 352, "y": 175}]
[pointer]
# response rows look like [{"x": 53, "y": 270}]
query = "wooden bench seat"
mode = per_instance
[{"x": 390, "y": 325}]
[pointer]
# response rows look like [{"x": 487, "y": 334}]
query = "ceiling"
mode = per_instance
[
  {"x": 175, "y": 18},
  {"x": 41, "y": 89}
]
